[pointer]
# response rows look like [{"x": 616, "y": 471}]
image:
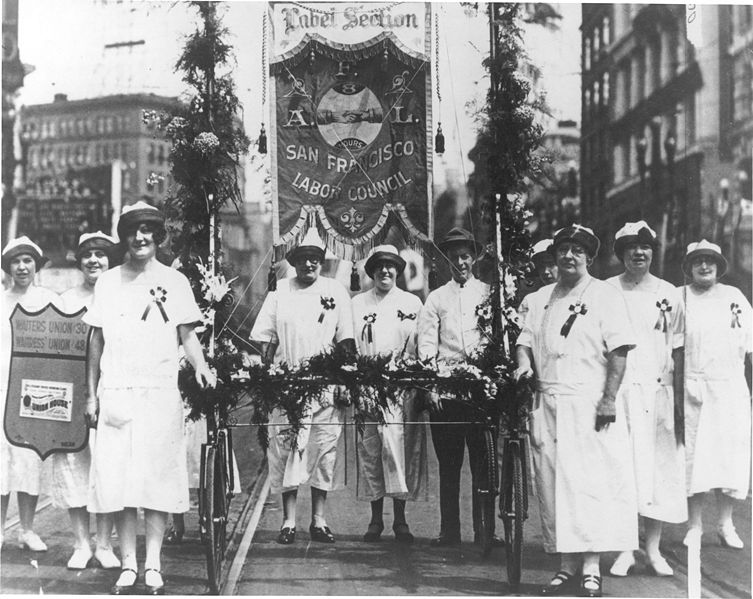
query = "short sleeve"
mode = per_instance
[
  {"x": 616, "y": 328},
  {"x": 184, "y": 309},
  {"x": 678, "y": 320},
  {"x": 265, "y": 326},
  {"x": 525, "y": 337},
  {"x": 94, "y": 316}
]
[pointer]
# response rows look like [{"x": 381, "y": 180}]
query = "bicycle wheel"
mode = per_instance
[
  {"x": 513, "y": 513},
  {"x": 486, "y": 496},
  {"x": 214, "y": 519}
]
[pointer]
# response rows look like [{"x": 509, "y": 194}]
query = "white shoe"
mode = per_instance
[
  {"x": 106, "y": 558},
  {"x": 693, "y": 535},
  {"x": 622, "y": 565},
  {"x": 728, "y": 536},
  {"x": 660, "y": 566},
  {"x": 80, "y": 558},
  {"x": 30, "y": 540}
]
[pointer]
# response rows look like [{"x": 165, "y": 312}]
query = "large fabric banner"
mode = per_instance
[{"x": 351, "y": 135}]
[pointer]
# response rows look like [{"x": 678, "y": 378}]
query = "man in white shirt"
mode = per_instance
[{"x": 448, "y": 330}]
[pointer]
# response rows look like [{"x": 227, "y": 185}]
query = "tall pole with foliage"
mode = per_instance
[
  {"x": 511, "y": 137},
  {"x": 208, "y": 145}
]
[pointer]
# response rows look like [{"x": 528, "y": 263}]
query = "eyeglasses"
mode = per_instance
[{"x": 313, "y": 260}]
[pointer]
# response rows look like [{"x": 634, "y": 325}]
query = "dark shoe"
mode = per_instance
[
  {"x": 125, "y": 589},
  {"x": 594, "y": 590},
  {"x": 496, "y": 541},
  {"x": 286, "y": 536},
  {"x": 402, "y": 533},
  {"x": 445, "y": 541},
  {"x": 321, "y": 534},
  {"x": 174, "y": 536},
  {"x": 158, "y": 589},
  {"x": 373, "y": 532},
  {"x": 562, "y": 583}
]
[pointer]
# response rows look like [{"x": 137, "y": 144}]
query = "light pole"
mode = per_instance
[{"x": 670, "y": 147}]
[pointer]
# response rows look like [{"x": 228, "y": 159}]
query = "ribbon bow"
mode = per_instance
[
  {"x": 402, "y": 315},
  {"x": 366, "y": 332},
  {"x": 328, "y": 303},
  {"x": 159, "y": 297},
  {"x": 661, "y": 322},
  {"x": 578, "y": 308},
  {"x": 736, "y": 311}
]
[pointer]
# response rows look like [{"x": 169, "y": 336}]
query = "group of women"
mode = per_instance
[
  {"x": 642, "y": 405},
  {"x": 140, "y": 313}
]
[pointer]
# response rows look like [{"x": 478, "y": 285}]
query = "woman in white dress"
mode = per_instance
[
  {"x": 391, "y": 456},
  {"x": 70, "y": 471},
  {"x": 20, "y": 468},
  {"x": 717, "y": 397},
  {"x": 576, "y": 337},
  {"x": 141, "y": 312},
  {"x": 652, "y": 392},
  {"x": 307, "y": 315}
]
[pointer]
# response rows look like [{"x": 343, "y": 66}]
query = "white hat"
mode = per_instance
[
  {"x": 97, "y": 240},
  {"x": 541, "y": 247},
  {"x": 383, "y": 252},
  {"x": 638, "y": 232},
  {"x": 704, "y": 248},
  {"x": 22, "y": 245},
  {"x": 140, "y": 212},
  {"x": 311, "y": 244}
]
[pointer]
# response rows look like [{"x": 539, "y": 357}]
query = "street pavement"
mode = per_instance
[{"x": 352, "y": 567}]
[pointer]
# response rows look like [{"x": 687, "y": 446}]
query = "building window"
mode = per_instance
[
  {"x": 124, "y": 151},
  {"x": 63, "y": 128},
  {"x": 605, "y": 90},
  {"x": 742, "y": 83},
  {"x": 151, "y": 154},
  {"x": 587, "y": 55},
  {"x": 161, "y": 185},
  {"x": 618, "y": 162},
  {"x": 606, "y": 33},
  {"x": 161, "y": 154}
]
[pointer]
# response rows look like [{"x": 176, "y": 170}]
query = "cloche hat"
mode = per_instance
[
  {"x": 638, "y": 232},
  {"x": 541, "y": 247},
  {"x": 22, "y": 245},
  {"x": 96, "y": 241},
  {"x": 704, "y": 248},
  {"x": 140, "y": 212},
  {"x": 311, "y": 244},
  {"x": 578, "y": 234},
  {"x": 386, "y": 253}
]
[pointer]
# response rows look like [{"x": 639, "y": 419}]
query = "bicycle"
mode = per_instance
[
  {"x": 215, "y": 492},
  {"x": 513, "y": 493}
]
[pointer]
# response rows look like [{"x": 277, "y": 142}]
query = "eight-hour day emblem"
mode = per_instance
[{"x": 349, "y": 115}]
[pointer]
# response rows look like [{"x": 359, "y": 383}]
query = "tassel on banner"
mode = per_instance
[
  {"x": 355, "y": 279},
  {"x": 262, "y": 140},
  {"x": 272, "y": 278},
  {"x": 439, "y": 140},
  {"x": 433, "y": 276}
]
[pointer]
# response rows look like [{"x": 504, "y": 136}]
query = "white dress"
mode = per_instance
[
  {"x": 648, "y": 399},
  {"x": 717, "y": 400},
  {"x": 584, "y": 478},
  {"x": 140, "y": 456},
  {"x": 391, "y": 456},
  {"x": 21, "y": 469},
  {"x": 303, "y": 323},
  {"x": 70, "y": 471}
]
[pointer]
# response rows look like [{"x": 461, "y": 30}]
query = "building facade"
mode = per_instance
[{"x": 666, "y": 124}]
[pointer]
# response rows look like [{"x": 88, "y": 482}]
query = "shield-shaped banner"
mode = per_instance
[
  {"x": 44, "y": 409},
  {"x": 351, "y": 146}
]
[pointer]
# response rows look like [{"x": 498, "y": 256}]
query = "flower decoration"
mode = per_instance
[
  {"x": 575, "y": 309},
  {"x": 484, "y": 315},
  {"x": 403, "y": 316},
  {"x": 664, "y": 307},
  {"x": 736, "y": 311},
  {"x": 206, "y": 143},
  {"x": 328, "y": 303},
  {"x": 367, "y": 333},
  {"x": 159, "y": 297}
]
